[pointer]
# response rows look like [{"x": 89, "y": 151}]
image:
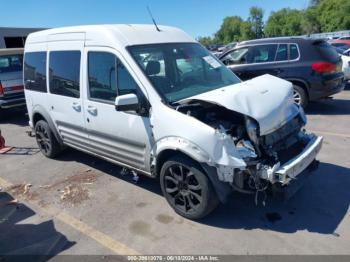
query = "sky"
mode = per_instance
[{"x": 196, "y": 17}]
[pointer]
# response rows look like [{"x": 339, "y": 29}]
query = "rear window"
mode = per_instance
[
  {"x": 35, "y": 71},
  {"x": 11, "y": 63},
  {"x": 65, "y": 73},
  {"x": 327, "y": 51}
]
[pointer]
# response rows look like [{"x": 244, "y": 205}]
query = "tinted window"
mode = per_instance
[
  {"x": 125, "y": 82},
  {"x": 106, "y": 74},
  {"x": 294, "y": 52},
  {"x": 282, "y": 53},
  {"x": 237, "y": 56},
  {"x": 262, "y": 54},
  {"x": 327, "y": 52},
  {"x": 64, "y": 73},
  {"x": 11, "y": 63},
  {"x": 35, "y": 71}
]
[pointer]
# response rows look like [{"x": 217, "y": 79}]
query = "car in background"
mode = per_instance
[
  {"x": 341, "y": 46},
  {"x": 344, "y": 38},
  {"x": 215, "y": 49},
  {"x": 312, "y": 65},
  {"x": 341, "y": 40},
  {"x": 11, "y": 78},
  {"x": 223, "y": 49},
  {"x": 345, "y": 56}
]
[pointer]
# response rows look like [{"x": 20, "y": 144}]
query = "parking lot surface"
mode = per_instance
[{"x": 78, "y": 204}]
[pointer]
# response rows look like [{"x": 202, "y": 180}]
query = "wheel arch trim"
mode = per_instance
[{"x": 40, "y": 110}]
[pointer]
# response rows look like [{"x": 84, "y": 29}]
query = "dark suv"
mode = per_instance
[{"x": 312, "y": 65}]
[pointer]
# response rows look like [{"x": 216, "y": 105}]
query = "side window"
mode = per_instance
[
  {"x": 102, "y": 76},
  {"x": 108, "y": 77},
  {"x": 236, "y": 57},
  {"x": 35, "y": 71},
  {"x": 11, "y": 63},
  {"x": 263, "y": 53},
  {"x": 293, "y": 52},
  {"x": 282, "y": 53},
  {"x": 64, "y": 73},
  {"x": 125, "y": 83}
]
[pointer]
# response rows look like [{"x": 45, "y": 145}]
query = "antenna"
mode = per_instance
[{"x": 154, "y": 22}]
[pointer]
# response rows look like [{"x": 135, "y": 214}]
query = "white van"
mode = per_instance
[{"x": 158, "y": 103}]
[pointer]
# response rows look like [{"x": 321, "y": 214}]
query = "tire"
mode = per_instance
[
  {"x": 186, "y": 188},
  {"x": 300, "y": 97},
  {"x": 46, "y": 140}
]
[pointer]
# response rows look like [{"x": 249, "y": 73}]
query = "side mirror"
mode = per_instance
[{"x": 128, "y": 102}]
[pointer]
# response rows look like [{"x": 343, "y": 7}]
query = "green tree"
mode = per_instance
[
  {"x": 309, "y": 22},
  {"x": 205, "y": 40},
  {"x": 333, "y": 15},
  {"x": 285, "y": 22},
  {"x": 256, "y": 21},
  {"x": 233, "y": 29}
]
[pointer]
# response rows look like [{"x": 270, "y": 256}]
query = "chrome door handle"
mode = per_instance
[
  {"x": 76, "y": 106},
  {"x": 92, "y": 110}
]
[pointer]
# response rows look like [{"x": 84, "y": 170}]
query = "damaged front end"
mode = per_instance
[{"x": 275, "y": 156}]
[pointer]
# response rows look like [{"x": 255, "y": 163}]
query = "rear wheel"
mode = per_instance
[
  {"x": 46, "y": 140},
  {"x": 300, "y": 97},
  {"x": 186, "y": 188}
]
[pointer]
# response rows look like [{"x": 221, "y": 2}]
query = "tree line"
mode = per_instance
[{"x": 320, "y": 16}]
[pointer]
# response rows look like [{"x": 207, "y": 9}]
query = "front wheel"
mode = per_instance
[
  {"x": 186, "y": 188},
  {"x": 46, "y": 140}
]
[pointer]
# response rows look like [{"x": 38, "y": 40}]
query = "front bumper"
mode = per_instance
[
  {"x": 285, "y": 192},
  {"x": 291, "y": 170}
]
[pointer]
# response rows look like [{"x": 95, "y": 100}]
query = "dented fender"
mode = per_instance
[
  {"x": 183, "y": 145},
  {"x": 224, "y": 157}
]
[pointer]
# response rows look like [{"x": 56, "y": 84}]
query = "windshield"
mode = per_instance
[
  {"x": 10, "y": 63},
  {"x": 181, "y": 70}
]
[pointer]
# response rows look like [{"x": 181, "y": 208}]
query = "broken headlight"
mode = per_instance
[
  {"x": 253, "y": 132},
  {"x": 302, "y": 115},
  {"x": 245, "y": 149}
]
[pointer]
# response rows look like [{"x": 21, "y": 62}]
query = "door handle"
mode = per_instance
[
  {"x": 92, "y": 110},
  {"x": 76, "y": 106}
]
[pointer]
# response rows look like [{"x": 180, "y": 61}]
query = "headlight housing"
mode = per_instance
[
  {"x": 302, "y": 115},
  {"x": 252, "y": 128}
]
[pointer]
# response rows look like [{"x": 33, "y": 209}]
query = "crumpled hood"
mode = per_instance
[{"x": 267, "y": 99}]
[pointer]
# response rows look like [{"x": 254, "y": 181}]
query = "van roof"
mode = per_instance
[{"x": 105, "y": 35}]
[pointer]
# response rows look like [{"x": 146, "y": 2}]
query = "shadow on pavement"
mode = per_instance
[
  {"x": 16, "y": 117},
  {"x": 318, "y": 207},
  {"x": 145, "y": 182},
  {"x": 27, "y": 239},
  {"x": 329, "y": 107}
]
